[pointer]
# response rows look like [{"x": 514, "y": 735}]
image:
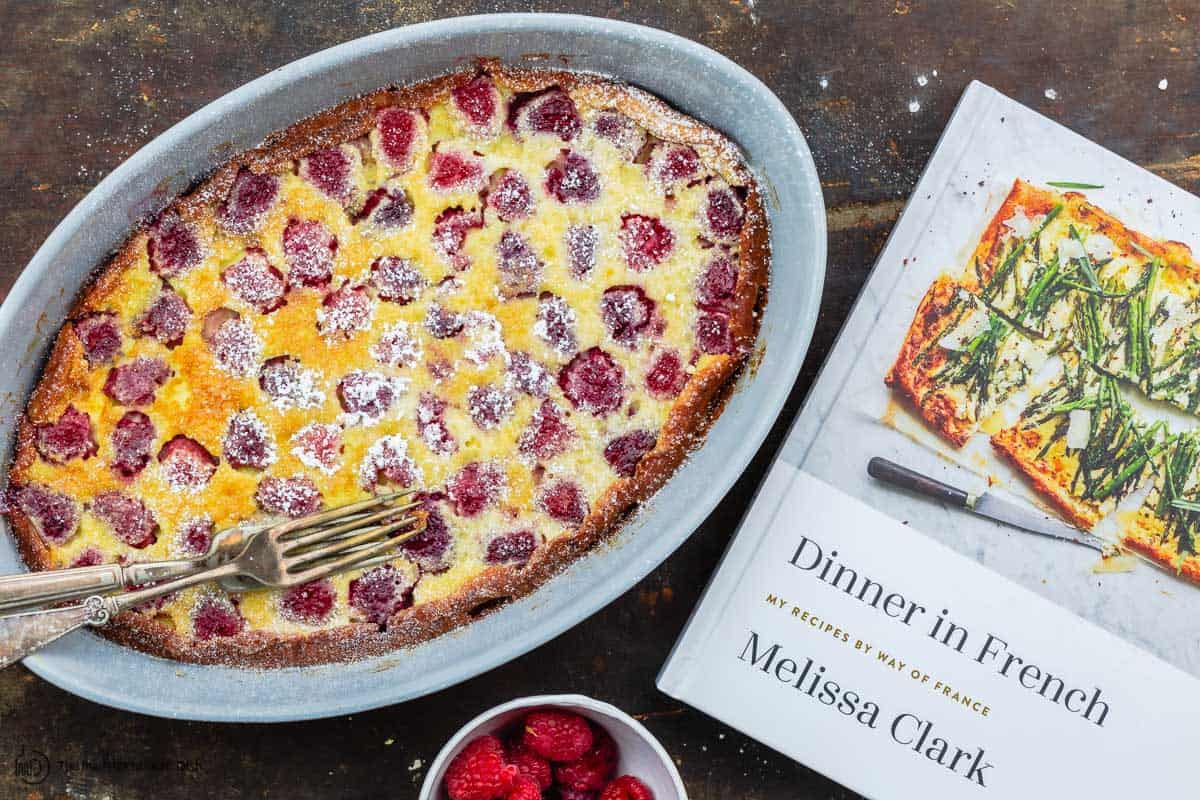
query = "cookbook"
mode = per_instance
[{"x": 1029, "y": 335}]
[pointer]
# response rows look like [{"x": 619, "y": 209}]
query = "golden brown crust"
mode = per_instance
[
  {"x": 1020, "y": 447},
  {"x": 1036, "y": 201},
  {"x": 1189, "y": 568},
  {"x": 919, "y": 359},
  {"x": 690, "y": 418}
]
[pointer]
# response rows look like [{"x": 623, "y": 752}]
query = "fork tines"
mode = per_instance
[{"x": 360, "y": 534}]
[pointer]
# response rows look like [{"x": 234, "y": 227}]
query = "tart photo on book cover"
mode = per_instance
[{"x": 1070, "y": 342}]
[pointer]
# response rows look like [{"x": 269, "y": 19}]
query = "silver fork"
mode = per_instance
[
  {"x": 286, "y": 554},
  {"x": 18, "y": 592}
]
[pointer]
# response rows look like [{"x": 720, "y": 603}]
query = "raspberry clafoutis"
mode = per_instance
[{"x": 523, "y": 294}]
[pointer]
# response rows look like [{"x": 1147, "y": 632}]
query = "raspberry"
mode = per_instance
[
  {"x": 134, "y": 383},
  {"x": 626, "y": 787},
  {"x": 309, "y": 602},
  {"x": 593, "y": 381},
  {"x": 621, "y": 131},
  {"x": 555, "y": 323},
  {"x": 216, "y": 616},
  {"x": 318, "y": 446},
  {"x": 575, "y": 794},
  {"x": 666, "y": 377},
  {"x": 571, "y": 179},
  {"x": 172, "y": 246},
  {"x": 520, "y": 268},
  {"x": 511, "y": 548},
  {"x": 431, "y": 424},
  {"x": 431, "y": 547},
  {"x": 215, "y": 320},
  {"x": 479, "y": 104},
  {"x": 381, "y": 592},
  {"x": 475, "y": 487},
  {"x": 100, "y": 335},
  {"x": 527, "y": 375},
  {"x": 55, "y": 515},
  {"x": 581, "y": 249},
  {"x": 557, "y": 735},
  {"x": 166, "y": 319},
  {"x": 344, "y": 312},
  {"x": 714, "y": 290},
  {"x": 386, "y": 210},
  {"x": 722, "y": 215},
  {"x": 255, "y": 281},
  {"x": 563, "y": 502},
  {"x": 713, "y": 334},
  {"x": 450, "y": 234},
  {"x": 552, "y": 112},
  {"x": 454, "y": 171},
  {"x": 292, "y": 497},
  {"x": 247, "y": 442},
  {"x": 186, "y": 464},
  {"x": 132, "y": 438},
  {"x": 488, "y": 406},
  {"x": 70, "y": 437},
  {"x": 396, "y": 137},
  {"x": 308, "y": 249},
  {"x": 547, "y": 435},
  {"x": 397, "y": 347},
  {"x": 646, "y": 241},
  {"x": 671, "y": 164},
  {"x": 442, "y": 323},
  {"x": 524, "y": 789},
  {"x": 330, "y": 171},
  {"x": 479, "y": 772},
  {"x": 626, "y": 312},
  {"x": 88, "y": 557},
  {"x": 396, "y": 279},
  {"x": 387, "y": 461},
  {"x": 250, "y": 199},
  {"x": 509, "y": 195},
  {"x": 194, "y": 535},
  {"x": 593, "y": 769},
  {"x": 367, "y": 395},
  {"x": 235, "y": 346},
  {"x": 127, "y": 518},
  {"x": 530, "y": 765},
  {"x": 625, "y": 452},
  {"x": 286, "y": 382}
]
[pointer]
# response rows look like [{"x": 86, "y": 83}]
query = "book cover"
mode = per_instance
[{"x": 1028, "y": 335}]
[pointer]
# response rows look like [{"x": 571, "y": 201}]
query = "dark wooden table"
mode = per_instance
[{"x": 84, "y": 84}]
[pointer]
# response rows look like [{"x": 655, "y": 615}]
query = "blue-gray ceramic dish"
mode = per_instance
[{"x": 694, "y": 79}]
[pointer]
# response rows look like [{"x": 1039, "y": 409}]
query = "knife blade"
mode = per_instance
[
  {"x": 985, "y": 505},
  {"x": 998, "y": 509}
]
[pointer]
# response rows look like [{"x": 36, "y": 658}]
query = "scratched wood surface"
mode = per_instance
[{"x": 84, "y": 84}]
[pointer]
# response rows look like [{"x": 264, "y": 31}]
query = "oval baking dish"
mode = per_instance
[{"x": 238, "y": 121}]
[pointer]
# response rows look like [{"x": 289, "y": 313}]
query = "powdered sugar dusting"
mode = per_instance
[
  {"x": 486, "y": 340},
  {"x": 397, "y": 347},
  {"x": 318, "y": 446},
  {"x": 291, "y": 385},
  {"x": 388, "y": 459},
  {"x": 237, "y": 347}
]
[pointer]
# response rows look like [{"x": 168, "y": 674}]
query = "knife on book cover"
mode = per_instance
[{"x": 985, "y": 504}]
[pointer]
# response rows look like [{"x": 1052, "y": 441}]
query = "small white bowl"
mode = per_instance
[{"x": 639, "y": 753}]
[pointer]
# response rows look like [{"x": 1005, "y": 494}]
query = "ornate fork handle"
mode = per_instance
[
  {"x": 22, "y": 634},
  {"x": 39, "y": 588}
]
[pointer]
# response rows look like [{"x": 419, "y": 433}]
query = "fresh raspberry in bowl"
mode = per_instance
[{"x": 568, "y": 747}]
